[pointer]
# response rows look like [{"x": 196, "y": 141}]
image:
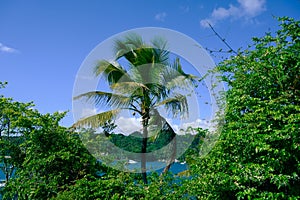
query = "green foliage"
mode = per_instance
[
  {"x": 194, "y": 147},
  {"x": 14, "y": 125},
  {"x": 46, "y": 157},
  {"x": 125, "y": 187},
  {"x": 108, "y": 188},
  {"x": 258, "y": 154}
]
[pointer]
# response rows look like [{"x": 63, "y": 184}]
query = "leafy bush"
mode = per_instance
[
  {"x": 54, "y": 158},
  {"x": 258, "y": 154}
]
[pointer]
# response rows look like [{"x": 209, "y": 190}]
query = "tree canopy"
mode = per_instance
[{"x": 258, "y": 153}]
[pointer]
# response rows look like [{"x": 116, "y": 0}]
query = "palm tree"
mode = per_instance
[{"x": 144, "y": 82}]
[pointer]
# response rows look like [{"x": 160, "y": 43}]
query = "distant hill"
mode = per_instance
[{"x": 132, "y": 143}]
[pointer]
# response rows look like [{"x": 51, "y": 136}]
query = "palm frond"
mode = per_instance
[
  {"x": 160, "y": 50},
  {"x": 112, "y": 72},
  {"x": 106, "y": 99},
  {"x": 177, "y": 82},
  {"x": 178, "y": 68},
  {"x": 138, "y": 53},
  {"x": 128, "y": 88},
  {"x": 175, "y": 105},
  {"x": 159, "y": 43},
  {"x": 97, "y": 120},
  {"x": 174, "y": 77},
  {"x": 134, "y": 40},
  {"x": 127, "y": 46},
  {"x": 144, "y": 73},
  {"x": 164, "y": 79},
  {"x": 158, "y": 91}
]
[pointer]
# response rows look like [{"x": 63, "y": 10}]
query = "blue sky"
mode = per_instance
[{"x": 43, "y": 43}]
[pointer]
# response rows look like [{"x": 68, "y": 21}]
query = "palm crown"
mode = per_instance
[
  {"x": 145, "y": 81},
  {"x": 148, "y": 82}
]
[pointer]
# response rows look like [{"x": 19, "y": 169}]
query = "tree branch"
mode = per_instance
[{"x": 223, "y": 40}]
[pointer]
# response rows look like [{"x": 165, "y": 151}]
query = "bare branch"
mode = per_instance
[{"x": 223, "y": 40}]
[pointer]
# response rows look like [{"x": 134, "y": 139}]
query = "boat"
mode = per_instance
[{"x": 132, "y": 161}]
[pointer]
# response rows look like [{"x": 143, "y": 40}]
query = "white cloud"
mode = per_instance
[
  {"x": 252, "y": 8},
  {"x": 181, "y": 129},
  {"x": 160, "y": 16},
  {"x": 246, "y": 9},
  {"x": 222, "y": 13},
  {"x": 195, "y": 124},
  {"x": 127, "y": 125},
  {"x": 7, "y": 49}
]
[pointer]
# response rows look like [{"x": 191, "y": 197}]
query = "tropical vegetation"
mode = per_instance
[{"x": 257, "y": 155}]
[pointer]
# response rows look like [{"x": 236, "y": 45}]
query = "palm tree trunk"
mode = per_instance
[
  {"x": 172, "y": 157},
  {"x": 143, "y": 155},
  {"x": 144, "y": 145}
]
